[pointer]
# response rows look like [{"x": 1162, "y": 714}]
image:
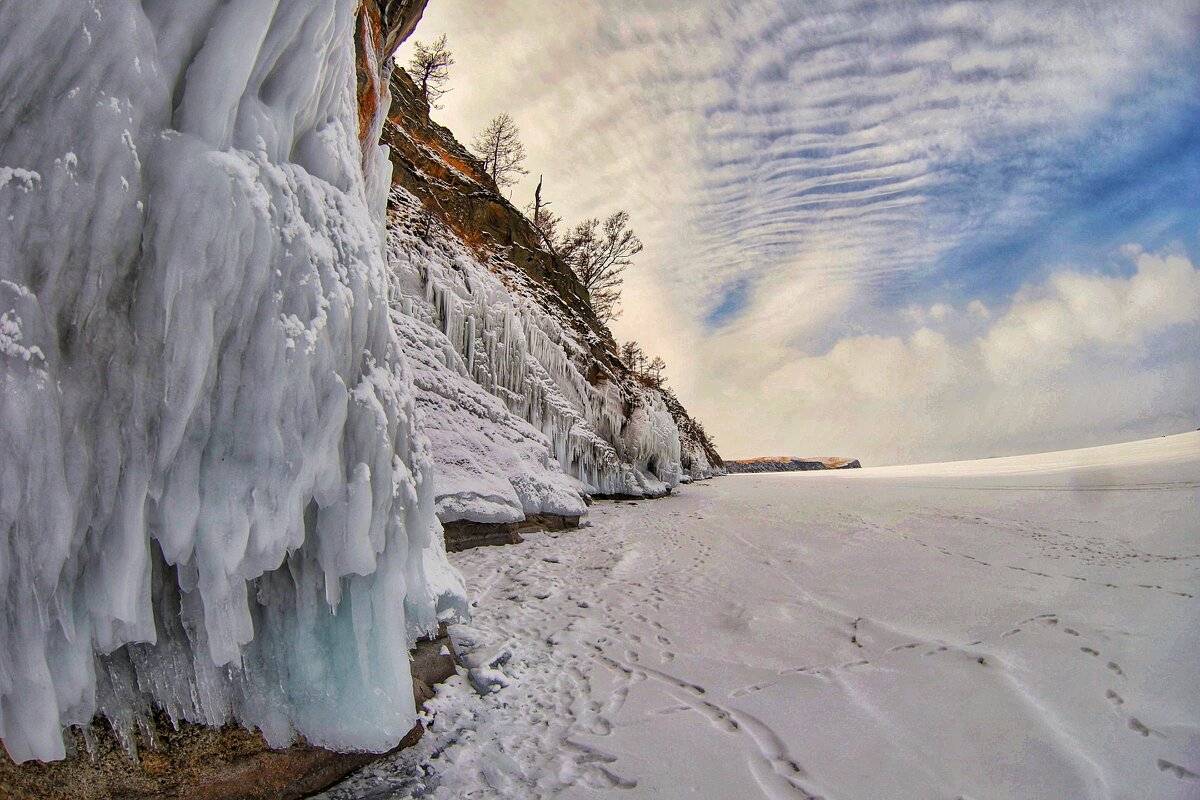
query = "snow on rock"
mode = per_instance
[
  {"x": 213, "y": 496},
  {"x": 509, "y": 340}
]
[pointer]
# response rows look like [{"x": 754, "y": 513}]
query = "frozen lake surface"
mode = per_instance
[{"x": 1007, "y": 628}]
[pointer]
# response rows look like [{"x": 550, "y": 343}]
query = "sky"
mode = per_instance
[{"x": 893, "y": 231}]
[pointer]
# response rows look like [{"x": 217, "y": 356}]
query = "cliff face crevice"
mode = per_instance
[{"x": 380, "y": 27}]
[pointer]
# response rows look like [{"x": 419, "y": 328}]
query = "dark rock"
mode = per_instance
[{"x": 465, "y": 534}]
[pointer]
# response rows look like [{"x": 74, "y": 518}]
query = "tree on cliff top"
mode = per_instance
[
  {"x": 501, "y": 150},
  {"x": 648, "y": 371},
  {"x": 599, "y": 256},
  {"x": 430, "y": 69}
]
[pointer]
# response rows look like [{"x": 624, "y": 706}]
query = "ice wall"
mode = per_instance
[
  {"x": 612, "y": 438},
  {"x": 491, "y": 465},
  {"x": 213, "y": 495}
]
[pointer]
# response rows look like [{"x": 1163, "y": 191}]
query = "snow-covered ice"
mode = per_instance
[{"x": 1009, "y": 628}]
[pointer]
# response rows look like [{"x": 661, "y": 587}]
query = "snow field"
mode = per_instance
[{"x": 979, "y": 633}]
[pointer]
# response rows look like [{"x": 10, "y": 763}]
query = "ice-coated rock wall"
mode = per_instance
[
  {"x": 491, "y": 465},
  {"x": 213, "y": 495},
  {"x": 613, "y": 439}
]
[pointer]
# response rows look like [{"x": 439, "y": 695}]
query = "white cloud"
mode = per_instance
[
  {"x": 1069, "y": 362},
  {"x": 1047, "y": 326}
]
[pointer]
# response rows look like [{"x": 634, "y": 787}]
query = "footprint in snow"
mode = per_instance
[
  {"x": 1137, "y": 726},
  {"x": 1183, "y": 773}
]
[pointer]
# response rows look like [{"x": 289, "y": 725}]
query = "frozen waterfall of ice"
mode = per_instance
[{"x": 213, "y": 493}]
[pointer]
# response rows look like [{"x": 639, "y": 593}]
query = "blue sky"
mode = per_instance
[{"x": 831, "y": 192}]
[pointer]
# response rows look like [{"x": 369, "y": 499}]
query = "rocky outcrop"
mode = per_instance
[
  {"x": 382, "y": 25},
  {"x": 788, "y": 464},
  {"x": 429, "y": 162},
  {"x": 464, "y": 535},
  {"x": 699, "y": 455}
]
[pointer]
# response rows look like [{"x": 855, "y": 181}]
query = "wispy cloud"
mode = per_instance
[{"x": 804, "y": 172}]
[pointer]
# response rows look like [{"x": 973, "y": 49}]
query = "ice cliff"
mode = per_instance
[
  {"x": 245, "y": 370},
  {"x": 213, "y": 494}
]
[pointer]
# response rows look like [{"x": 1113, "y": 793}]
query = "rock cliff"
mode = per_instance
[{"x": 217, "y": 501}]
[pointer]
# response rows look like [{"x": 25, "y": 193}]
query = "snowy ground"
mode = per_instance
[{"x": 1011, "y": 628}]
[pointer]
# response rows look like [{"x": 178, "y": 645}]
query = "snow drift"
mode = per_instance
[{"x": 213, "y": 495}]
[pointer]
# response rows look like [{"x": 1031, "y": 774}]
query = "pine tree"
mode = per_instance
[
  {"x": 599, "y": 257},
  {"x": 430, "y": 69},
  {"x": 656, "y": 372},
  {"x": 634, "y": 357}
]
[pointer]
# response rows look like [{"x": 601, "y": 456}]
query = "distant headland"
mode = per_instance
[{"x": 789, "y": 464}]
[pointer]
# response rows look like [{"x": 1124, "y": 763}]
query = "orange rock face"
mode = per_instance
[{"x": 382, "y": 26}]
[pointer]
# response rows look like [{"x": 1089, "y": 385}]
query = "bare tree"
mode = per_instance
[
  {"x": 501, "y": 150},
  {"x": 544, "y": 221},
  {"x": 599, "y": 256},
  {"x": 430, "y": 69}
]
